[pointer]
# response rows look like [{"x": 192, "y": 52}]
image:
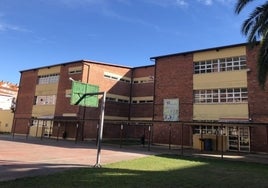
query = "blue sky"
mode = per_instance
[{"x": 35, "y": 33}]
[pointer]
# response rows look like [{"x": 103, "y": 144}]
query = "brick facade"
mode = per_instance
[
  {"x": 173, "y": 79},
  {"x": 138, "y": 94},
  {"x": 25, "y": 101},
  {"x": 258, "y": 100}
]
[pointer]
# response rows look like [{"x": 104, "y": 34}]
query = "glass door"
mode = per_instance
[
  {"x": 238, "y": 139},
  {"x": 233, "y": 141},
  {"x": 244, "y": 139}
]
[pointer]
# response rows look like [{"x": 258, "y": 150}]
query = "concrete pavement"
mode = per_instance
[{"x": 21, "y": 157}]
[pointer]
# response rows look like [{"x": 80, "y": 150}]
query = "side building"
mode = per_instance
[
  {"x": 218, "y": 92},
  {"x": 8, "y": 95},
  {"x": 44, "y": 109}
]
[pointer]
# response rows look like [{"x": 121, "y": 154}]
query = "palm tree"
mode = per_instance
[{"x": 256, "y": 28}]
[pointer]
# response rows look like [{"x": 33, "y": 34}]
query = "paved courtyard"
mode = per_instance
[{"x": 20, "y": 157}]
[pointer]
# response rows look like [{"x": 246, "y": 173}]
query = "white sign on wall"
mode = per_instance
[{"x": 171, "y": 110}]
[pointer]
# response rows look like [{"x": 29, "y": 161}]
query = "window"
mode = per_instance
[
  {"x": 143, "y": 80},
  {"x": 48, "y": 79},
  {"x": 124, "y": 80},
  {"x": 75, "y": 71},
  {"x": 220, "y": 65},
  {"x": 142, "y": 101},
  {"x": 208, "y": 129},
  {"x": 116, "y": 77},
  {"x": 122, "y": 100},
  {"x": 110, "y": 99},
  {"x": 117, "y": 99},
  {"x": 45, "y": 100},
  {"x": 229, "y": 95}
]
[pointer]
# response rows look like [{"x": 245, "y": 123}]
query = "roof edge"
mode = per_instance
[
  {"x": 201, "y": 50},
  {"x": 76, "y": 61}
]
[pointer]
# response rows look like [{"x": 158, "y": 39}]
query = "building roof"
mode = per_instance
[
  {"x": 77, "y": 61},
  {"x": 195, "y": 51}
]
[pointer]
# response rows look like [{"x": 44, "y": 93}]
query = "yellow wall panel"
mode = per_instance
[
  {"x": 6, "y": 119},
  {"x": 217, "y": 111},
  {"x": 50, "y": 70},
  {"x": 221, "y": 53},
  {"x": 43, "y": 110},
  {"x": 231, "y": 79},
  {"x": 46, "y": 89}
]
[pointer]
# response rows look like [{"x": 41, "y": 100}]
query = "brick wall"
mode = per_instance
[
  {"x": 173, "y": 79},
  {"x": 63, "y": 102},
  {"x": 142, "y": 90},
  {"x": 258, "y": 104},
  {"x": 25, "y": 101}
]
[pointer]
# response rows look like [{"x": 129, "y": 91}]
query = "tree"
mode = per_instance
[
  {"x": 13, "y": 105},
  {"x": 255, "y": 27}
]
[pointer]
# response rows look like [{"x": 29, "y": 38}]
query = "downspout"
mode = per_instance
[
  {"x": 130, "y": 95},
  {"x": 84, "y": 110},
  {"x": 154, "y": 99},
  {"x": 154, "y": 89}
]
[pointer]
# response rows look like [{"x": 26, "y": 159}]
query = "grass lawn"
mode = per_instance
[{"x": 156, "y": 171}]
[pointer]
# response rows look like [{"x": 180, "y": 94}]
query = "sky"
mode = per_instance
[{"x": 36, "y": 33}]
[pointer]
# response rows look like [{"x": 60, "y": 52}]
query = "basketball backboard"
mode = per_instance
[{"x": 79, "y": 89}]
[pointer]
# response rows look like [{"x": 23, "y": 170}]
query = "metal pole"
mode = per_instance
[
  {"x": 84, "y": 122},
  {"x": 149, "y": 138},
  {"x": 42, "y": 130},
  {"x": 50, "y": 128},
  {"x": 221, "y": 141},
  {"x": 36, "y": 133},
  {"x": 182, "y": 139},
  {"x": 97, "y": 134},
  {"x": 121, "y": 133},
  {"x": 14, "y": 127},
  {"x": 28, "y": 130},
  {"x": 58, "y": 131},
  {"x": 169, "y": 139},
  {"x": 143, "y": 137},
  {"x": 101, "y": 130},
  {"x": 76, "y": 134}
]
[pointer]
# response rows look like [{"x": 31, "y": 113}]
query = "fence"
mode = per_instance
[{"x": 216, "y": 136}]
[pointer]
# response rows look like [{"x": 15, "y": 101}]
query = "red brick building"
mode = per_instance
[
  {"x": 208, "y": 96},
  {"x": 45, "y": 94},
  {"x": 218, "y": 94}
]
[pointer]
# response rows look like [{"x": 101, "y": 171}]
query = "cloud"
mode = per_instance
[
  {"x": 4, "y": 26},
  {"x": 181, "y": 3},
  {"x": 79, "y": 3},
  {"x": 206, "y": 2},
  {"x": 8, "y": 27},
  {"x": 211, "y": 2}
]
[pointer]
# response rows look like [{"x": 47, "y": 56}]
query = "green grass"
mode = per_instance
[{"x": 156, "y": 171}]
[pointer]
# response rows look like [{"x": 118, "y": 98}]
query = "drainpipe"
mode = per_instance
[
  {"x": 84, "y": 109},
  {"x": 130, "y": 95}
]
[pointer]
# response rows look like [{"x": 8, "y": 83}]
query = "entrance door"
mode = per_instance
[
  {"x": 238, "y": 139},
  {"x": 244, "y": 139}
]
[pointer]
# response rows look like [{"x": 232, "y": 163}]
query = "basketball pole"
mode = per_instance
[{"x": 98, "y": 165}]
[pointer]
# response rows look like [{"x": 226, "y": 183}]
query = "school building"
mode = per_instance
[
  {"x": 210, "y": 96},
  {"x": 8, "y": 95}
]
